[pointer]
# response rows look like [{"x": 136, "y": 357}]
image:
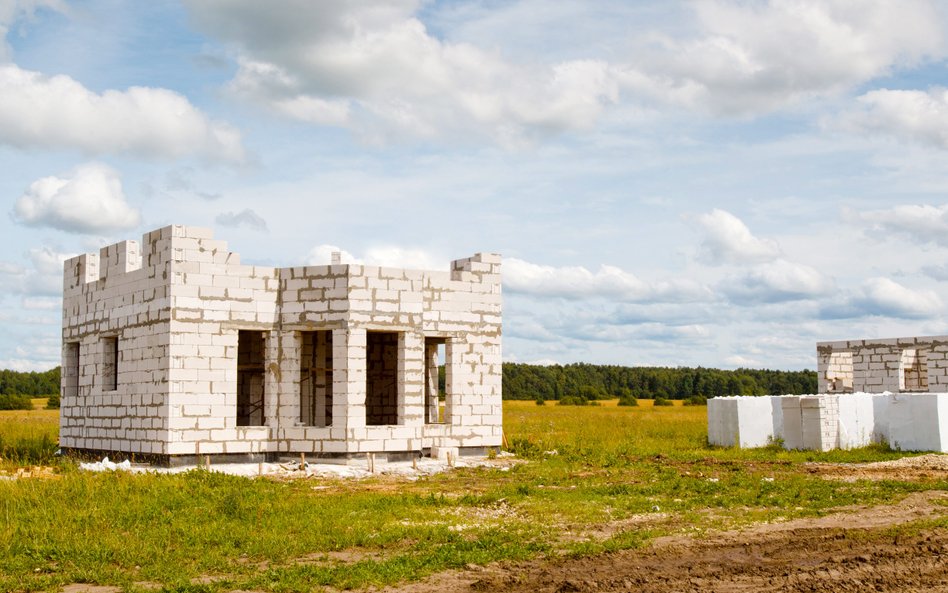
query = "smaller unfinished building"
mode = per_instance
[
  {"x": 173, "y": 349},
  {"x": 892, "y": 390}
]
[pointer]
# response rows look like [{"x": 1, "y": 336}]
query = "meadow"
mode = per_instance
[{"x": 589, "y": 480}]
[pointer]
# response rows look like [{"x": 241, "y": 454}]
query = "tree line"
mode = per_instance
[
  {"x": 29, "y": 383},
  {"x": 528, "y": 381}
]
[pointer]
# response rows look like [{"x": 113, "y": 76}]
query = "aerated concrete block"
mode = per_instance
[
  {"x": 745, "y": 422},
  {"x": 918, "y": 421},
  {"x": 856, "y": 420}
]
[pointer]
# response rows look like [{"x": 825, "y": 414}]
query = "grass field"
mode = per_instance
[
  {"x": 28, "y": 437},
  {"x": 596, "y": 479}
]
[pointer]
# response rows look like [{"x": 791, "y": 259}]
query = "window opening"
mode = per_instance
[
  {"x": 839, "y": 372},
  {"x": 70, "y": 379},
  {"x": 110, "y": 359},
  {"x": 251, "y": 346},
  {"x": 381, "y": 378},
  {"x": 913, "y": 370},
  {"x": 435, "y": 393},
  {"x": 316, "y": 378}
]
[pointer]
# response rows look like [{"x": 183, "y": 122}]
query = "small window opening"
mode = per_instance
[
  {"x": 316, "y": 378},
  {"x": 381, "y": 378},
  {"x": 435, "y": 393},
  {"x": 110, "y": 359},
  {"x": 251, "y": 347},
  {"x": 913, "y": 370},
  {"x": 70, "y": 378},
  {"x": 839, "y": 372}
]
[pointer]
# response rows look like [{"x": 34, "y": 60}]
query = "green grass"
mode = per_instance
[{"x": 589, "y": 467}]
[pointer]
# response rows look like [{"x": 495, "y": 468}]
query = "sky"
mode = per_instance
[{"x": 676, "y": 183}]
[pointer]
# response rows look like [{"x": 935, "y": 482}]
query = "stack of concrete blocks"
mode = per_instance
[
  {"x": 811, "y": 422},
  {"x": 907, "y": 421},
  {"x": 745, "y": 422},
  {"x": 178, "y": 310}
]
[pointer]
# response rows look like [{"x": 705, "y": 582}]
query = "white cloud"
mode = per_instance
[
  {"x": 777, "y": 281},
  {"x": 25, "y": 365},
  {"x": 374, "y": 66},
  {"x": 246, "y": 217},
  {"x": 923, "y": 223},
  {"x": 321, "y": 255},
  {"x": 908, "y": 115},
  {"x": 88, "y": 200},
  {"x": 728, "y": 240},
  {"x": 8, "y": 268},
  {"x": 42, "y": 303},
  {"x": 12, "y": 11},
  {"x": 43, "y": 347},
  {"x": 936, "y": 272},
  {"x": 882, "y": 296},
  {"x": 46, "y": 276},
  {"x": 47, "y": 260},
  {"x": 398, "y": 257},
  {"x": 610, "y": 282},
  {"x": 314, "y": 110},
  {"x": 41, "y": 283},
  {"x": 385, "y": 256},
  {"x": 739, "y": 361},
  {"x": 753, "y": 57},
  {"x": 652, "y": 332},
  {"x": 52, "y": 112},
  {"x": 887, "y": 298}
]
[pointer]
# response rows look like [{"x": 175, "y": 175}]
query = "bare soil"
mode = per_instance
[
  {"x": 906, "y": 469},
  {"x": 856, "y": 549}
]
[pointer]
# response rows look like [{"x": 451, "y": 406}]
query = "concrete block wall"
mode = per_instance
[
  {"x": 120, "y": 293},
  {"x": 820, "y": 422},
  {"x": 875, "y": 366},
  {"x": 177, "y": 306}
]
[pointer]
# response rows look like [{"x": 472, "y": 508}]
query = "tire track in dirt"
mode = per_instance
[{"x": 850, "y": 550}]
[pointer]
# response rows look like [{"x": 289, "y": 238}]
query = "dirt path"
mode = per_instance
[{"x": 846, "y": 551}]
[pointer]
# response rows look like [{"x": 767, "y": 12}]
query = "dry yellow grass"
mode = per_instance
[{"x": 28, "y": 436}]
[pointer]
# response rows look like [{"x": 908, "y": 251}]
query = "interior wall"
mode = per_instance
[
  {"x": 381, "y": 378},
  {"x": 251, "y": 348},
  {"x": 316, "y": 378}
]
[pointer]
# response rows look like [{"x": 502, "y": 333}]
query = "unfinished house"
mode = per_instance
[
  {"x": 174, "y": 350},
  {"x": 896, "y": 365}
]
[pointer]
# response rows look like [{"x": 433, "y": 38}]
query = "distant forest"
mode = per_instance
[
  {"x": 16, "y": 383},
  {"x": 529, "y": 381}
]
